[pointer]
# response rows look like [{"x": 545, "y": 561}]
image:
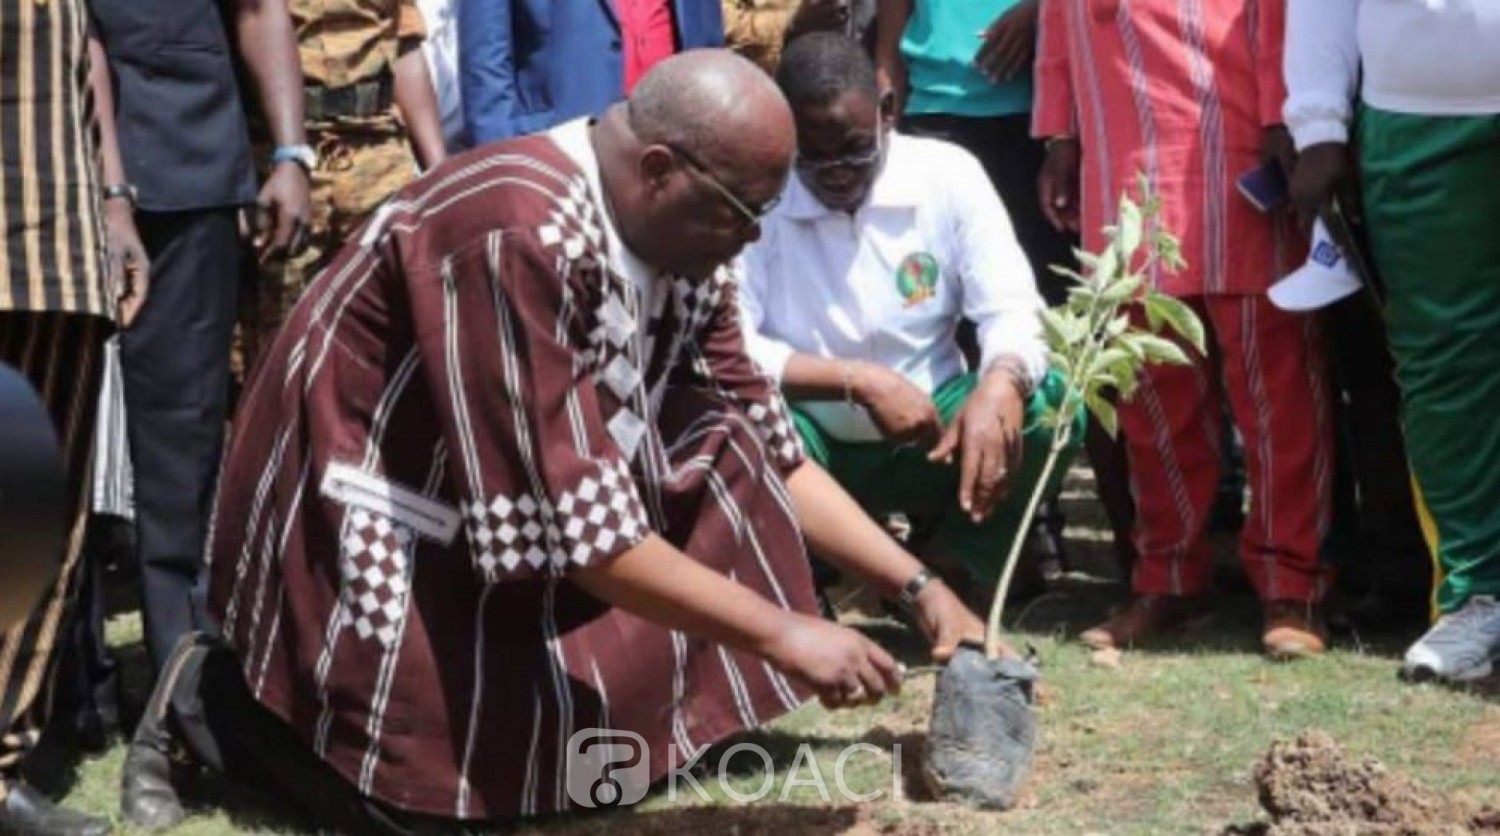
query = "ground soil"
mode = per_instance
[{"x": 1310, "y": 787}]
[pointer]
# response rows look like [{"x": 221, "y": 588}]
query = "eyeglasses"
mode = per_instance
[
  {"x": 858, "y": 159},
  {"x": 751, "y": 215}
]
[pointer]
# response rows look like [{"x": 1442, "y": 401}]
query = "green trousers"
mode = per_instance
[
  {"x": 1432, "y": 202},
  {"x": 889, "y": 478}
]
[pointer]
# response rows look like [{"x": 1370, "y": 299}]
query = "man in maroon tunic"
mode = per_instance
[{"x": 508, "y": 474}]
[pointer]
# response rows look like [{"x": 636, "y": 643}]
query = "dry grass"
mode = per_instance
[{"x": 1162, "y": 744}]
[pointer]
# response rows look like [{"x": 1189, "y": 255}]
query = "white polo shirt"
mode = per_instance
[{"x": 889, "y": 284}]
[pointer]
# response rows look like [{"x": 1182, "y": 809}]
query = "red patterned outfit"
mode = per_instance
[
  {"x": 1183, "y": 90},
  {"x": 484, "y": 392}
]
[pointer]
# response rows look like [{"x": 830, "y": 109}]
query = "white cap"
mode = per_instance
[{"x": 1326, "y": 277}]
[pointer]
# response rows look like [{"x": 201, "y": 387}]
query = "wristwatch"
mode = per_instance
[
  {"x": 302, "y": 155},
  {"x": 121, "y": 191},
  {"x": 914, "y": 587}
]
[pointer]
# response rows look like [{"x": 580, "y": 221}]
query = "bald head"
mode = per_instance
[
  {"x": 689, "y": 163},
  {"x": 718, "y": 106}
]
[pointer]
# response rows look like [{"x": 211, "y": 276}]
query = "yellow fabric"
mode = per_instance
[
  {"x": 756, "y": 28},
  {"x": 1430, "y": 534}
]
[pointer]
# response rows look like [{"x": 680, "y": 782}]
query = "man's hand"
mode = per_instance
[
  {"x": 903, "y": 412},
  {"x": 283, "y": 211},
  {"x": 1276, "y": 146},
  {"x": 129, "y": 267},
  {"x": 986, "y": 436},
  {"x": 1009, "y": 43},
  {"x": 1058, "y": 184},
  {"x": 818, "y": 16},
  {"x": 1322, "y": 171},
  {"x": 946, "y": 621},
  {"x": 841, "y": 665}
]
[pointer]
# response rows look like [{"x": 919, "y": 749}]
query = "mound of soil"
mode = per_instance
[{"x": 1310, "y": 787}]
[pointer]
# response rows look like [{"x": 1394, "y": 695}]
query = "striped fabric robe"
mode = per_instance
[
  {"x": 468, "y": 404},
  {"x": 1182, "y": 91}
]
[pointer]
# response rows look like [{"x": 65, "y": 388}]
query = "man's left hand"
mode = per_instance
[
  {"x": 986, "y": 436},
  {"x": 128, "y": 265},
  {"x": 283, "y": 212},
  {"x": 1009, "y": 43},
  {"x": 1276, "y": 145}
]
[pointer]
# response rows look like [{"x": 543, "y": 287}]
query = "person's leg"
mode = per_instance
[
  {"x": 1171, "y": 429},
  {"x": 1275, "y": 377},
  {"x": 1429, "y": 185},
  {"x": 175, "y": 360},
  {"x": 201, "y": 704},
  {"x": 1386, "y": 532},
  {"x": 61, "y": 354}
]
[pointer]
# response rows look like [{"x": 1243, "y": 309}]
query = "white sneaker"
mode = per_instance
[{"x": 1461, "y": 647}]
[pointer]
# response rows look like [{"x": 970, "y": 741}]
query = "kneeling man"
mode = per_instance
[
  {"x": 881, "y": 245},
  {"x": 507, "y": 475}
]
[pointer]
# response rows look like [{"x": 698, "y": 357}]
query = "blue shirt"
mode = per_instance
[{"x": 939, "y": 46}]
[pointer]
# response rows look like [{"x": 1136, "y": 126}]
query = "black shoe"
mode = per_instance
[
  {"x": 27, "y": 812},
  {"x": 148, "y": 799}
]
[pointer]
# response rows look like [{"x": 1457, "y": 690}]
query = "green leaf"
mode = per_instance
[
  {"x": 1121, "y": 290},
  {"x": 1067, "y": 273},
  {"x": 1130, "y": 227},
  {"x": 1104, "y": 413},
  {"x": 1119, "y": 325},
  {"x": 1178, "y": 315},
  {"x": 1106, "y": 268},
  {"x": 1159, "y": 350},
  {"x": 1086, "y": 259},
  {"x": 1053, "y": 327},
  {"x": 1109, "y": 359}
]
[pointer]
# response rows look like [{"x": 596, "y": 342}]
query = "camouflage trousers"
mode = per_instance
[{"x": 359, "y": 166}]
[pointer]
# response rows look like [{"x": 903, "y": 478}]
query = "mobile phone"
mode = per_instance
[{"x": 1265, "y": 187}]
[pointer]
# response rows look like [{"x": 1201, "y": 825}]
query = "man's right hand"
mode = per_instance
[
  {"x": 1058, "y": 184},
  {"x": 1322, "y": 171},
  {"x": 903, "y": 412},
  {"x": 841, "y": 665}
]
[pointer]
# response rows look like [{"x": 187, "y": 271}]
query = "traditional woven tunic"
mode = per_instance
[
  {"x": 1180, "y": 90},
  {"x": 483, "y": 392}
]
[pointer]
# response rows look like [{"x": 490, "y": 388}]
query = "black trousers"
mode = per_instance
[{"x": 175, "y": 360}]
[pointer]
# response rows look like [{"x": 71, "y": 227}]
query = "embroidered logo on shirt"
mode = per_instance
[{"x": 916, "y": 278}]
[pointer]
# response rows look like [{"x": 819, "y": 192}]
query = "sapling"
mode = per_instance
[{"x": 1097, "y": 342}]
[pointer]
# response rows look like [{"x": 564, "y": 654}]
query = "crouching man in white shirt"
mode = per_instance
[{"x": 880, "y": 246}]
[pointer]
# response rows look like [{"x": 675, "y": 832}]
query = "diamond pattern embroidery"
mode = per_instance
[
  {"x": 373, "y": 567},
  {"x": 775, "y": 430},
  {"x": 508, "y": 531},
  {"x": 696, "y": 301},
  {"x": 572, "y": 226},
  {"x": 600, "y": 516},
  {"x": 597, "y": 518}
]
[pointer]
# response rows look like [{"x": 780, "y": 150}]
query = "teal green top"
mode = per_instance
[{"x": 939, "y": 45}]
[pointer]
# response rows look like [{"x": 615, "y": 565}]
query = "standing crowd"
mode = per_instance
[{"x": 490, "y": 370}]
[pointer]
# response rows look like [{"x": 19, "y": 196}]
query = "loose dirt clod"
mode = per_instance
[{"x": 1310, "y": 787}]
